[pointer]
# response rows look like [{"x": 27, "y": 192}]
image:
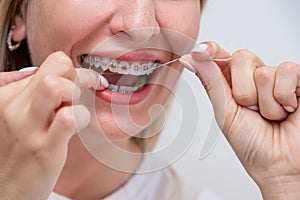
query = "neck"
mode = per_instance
[{"x": 84, "y": 177}]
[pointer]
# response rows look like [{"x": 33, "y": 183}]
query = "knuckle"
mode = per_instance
[
  {"x": 246, "y": 55},
  {"x": 245, "y": 97},
  {"x": 66, "y": 68},
  {"x": 215, "y": 45},
  {"x": 280, "y": 94},
  {"x": 37, "y": 149},
  {"x": 66, "y": 117},
  {"x": 216, "y": 48},
  {"x": 262, "y": 74},
  {"x": 8, "y": 116},
  {"x": 33, "y": 146},
  {"x": 287, "y": 68},
  {"x": 50, "y": 86},
  {"x": 63, "y": 63},
  {"x": 284, "y": 97},
  {"x": 274, "y": 115},
  {"x": 5, "y": 117},
  {"x": 59, "y": 57}
]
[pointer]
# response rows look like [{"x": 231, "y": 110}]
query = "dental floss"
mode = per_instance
[
  {"x": 167, "y": 63},
  {"x": 177, "y": 59},
  {"x": 213, "y": 59}
]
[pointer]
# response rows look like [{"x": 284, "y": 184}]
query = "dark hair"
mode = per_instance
[{"x": 10, "y": 61}]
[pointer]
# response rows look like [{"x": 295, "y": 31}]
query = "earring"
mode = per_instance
[{"x": 11, "y": 46}]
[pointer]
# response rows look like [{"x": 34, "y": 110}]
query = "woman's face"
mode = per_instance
[{"x": 77, "y": 27}]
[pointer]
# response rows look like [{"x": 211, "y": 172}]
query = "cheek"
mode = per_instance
[
  {"x": 183, "y": 17},
  {"x": 181, "y": 22},
  {"x": 52, "y": 26}
]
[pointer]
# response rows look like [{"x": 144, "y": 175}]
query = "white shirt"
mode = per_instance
[{"x": 162, "y": 184}]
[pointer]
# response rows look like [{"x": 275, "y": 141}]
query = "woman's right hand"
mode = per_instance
[{"x": 37, "y": 122}]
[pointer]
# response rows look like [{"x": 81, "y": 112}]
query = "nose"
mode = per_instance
[{"x": 135, "y": 18}]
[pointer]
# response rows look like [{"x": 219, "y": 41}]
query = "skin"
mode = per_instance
[
  {"x": 266, "y": 141},
  {"x": 52, "y": 85}
]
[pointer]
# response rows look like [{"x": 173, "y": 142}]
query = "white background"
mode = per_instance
[{"x": 271, "y": 29}]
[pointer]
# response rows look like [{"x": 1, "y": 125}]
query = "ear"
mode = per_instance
[{"x": 19, "y": 32}]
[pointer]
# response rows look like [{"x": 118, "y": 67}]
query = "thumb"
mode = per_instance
[
  {"x": 213, "y": 80},
  {"x": 13, "y": 76}
]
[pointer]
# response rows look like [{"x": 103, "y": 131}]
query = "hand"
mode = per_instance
[
  {"x": 256, "y": 108},
  {"x": 10, "y": 77},
  {"x": 37, "y": 122}
]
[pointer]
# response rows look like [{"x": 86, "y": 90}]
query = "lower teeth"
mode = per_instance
[
  {"x": 130, "y": 89},
  {"x": 124, "y": 89}
]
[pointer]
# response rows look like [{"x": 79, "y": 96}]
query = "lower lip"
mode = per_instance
[{"x": 127, "y": 99}]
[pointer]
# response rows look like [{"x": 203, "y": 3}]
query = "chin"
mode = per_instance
[{"x": 120, "y": 122}]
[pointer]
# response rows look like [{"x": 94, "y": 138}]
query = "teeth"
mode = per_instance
[
  {"x": 113, "y": 66},
  {"x": 104, "y": 62},
  {"x": 121, "y": 67},
  {"x": 135, "y": 69},
  {"x": 127, "y": 90},
  {"x": 88, "y": 60},
  {"x": 147, "y": 68},
  {"x": 154, "y": 67},
  {"x": 142, "y": 81},
  {"x": 113, "y": 88},
  {"x": 97, "y": 62},
  {"x": 124, "y": 89}
]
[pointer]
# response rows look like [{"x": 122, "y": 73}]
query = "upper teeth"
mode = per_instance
[{"x": 121, "y": 67}]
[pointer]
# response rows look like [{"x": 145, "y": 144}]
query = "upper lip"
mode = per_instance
[{"x": 135, "y": 56}]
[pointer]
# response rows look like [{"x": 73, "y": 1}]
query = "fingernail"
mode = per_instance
[
  {"x": 200, "y": 48},
  {"x": 254, "y": 108},
  {"x": 28, "y": 69},
  {"x": 289, "y": 109},
  {"x": 187, "y": 65},
  {"x": 103, "y": 81}
]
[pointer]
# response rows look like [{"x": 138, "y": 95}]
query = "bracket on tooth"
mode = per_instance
[
  {"x": 113, "y": 66},
  {"x": 123, "y": 67},
  {"x": 135, "y": 69}
]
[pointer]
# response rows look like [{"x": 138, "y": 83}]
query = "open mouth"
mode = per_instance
[{"x": 123, "y": 76}]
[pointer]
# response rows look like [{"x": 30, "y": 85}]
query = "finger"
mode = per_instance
[
  {"x": 51, "y": 93},
  {"x": 214, "y": 83},
  {"x": 286, "y": 84},
  {"x": 210, "y": 51},
  {"x": 269, "y": 107},
  {"x": 10, "y": 77},
  {"x": 58, "y": 64},
  {"x": 243, "y": 65},
  {"x": 214, "y": 50},
  {"x": 88, "y": 78},
  {"x": 67, "y": 121}
]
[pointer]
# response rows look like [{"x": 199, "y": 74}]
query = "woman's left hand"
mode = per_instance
[{"x": 257, "y": 109}]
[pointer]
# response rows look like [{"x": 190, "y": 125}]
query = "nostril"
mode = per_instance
[{"x": 144, "y": 34}]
